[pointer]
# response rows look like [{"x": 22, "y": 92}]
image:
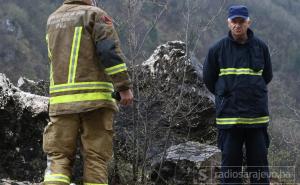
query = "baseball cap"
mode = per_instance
[{"x": 238, "y": 11}]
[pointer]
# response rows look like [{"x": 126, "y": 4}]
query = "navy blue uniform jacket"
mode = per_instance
[{"x": 238, "y": 74}]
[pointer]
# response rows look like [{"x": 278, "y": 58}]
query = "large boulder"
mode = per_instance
[
  {"x": 22, "y": 119},
  {"x": 172, "y": 106}
]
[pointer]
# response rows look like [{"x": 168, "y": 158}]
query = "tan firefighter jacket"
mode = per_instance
[{"x": 86, "y": 61}]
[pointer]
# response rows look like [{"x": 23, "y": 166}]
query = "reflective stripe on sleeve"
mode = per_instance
[{"x": 116, "y": 69}]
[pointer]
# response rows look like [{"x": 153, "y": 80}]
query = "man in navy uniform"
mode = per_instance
[{"x": 237, "y": 70}]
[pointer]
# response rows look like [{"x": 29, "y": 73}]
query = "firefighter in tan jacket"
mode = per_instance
[{"x": 86, "y": 66}]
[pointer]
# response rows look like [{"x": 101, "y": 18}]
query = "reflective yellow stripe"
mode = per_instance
[
  {"x": 93, "y": 184},
  {"x": 57, "y": 178},
  {"x": 49, "y": 52},
  {"x": 239, "y": 71},
  {"x": 84, "y": 83},
  {"x": 74, "y": 54},
  {"x": 81, "y": 86},
  {"x": 225, "y": 69},
  {"x": 50, "y": 57},
  {"x": 81, "y": 97},
  {"x": 227, "y": 121},
  {"x": 116, "y": 69},
  {"x": 51, "y": 75},
  {"x": 242, "y": 73}
]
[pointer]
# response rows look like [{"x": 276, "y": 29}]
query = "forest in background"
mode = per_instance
[{"x": 144, "y": 24}]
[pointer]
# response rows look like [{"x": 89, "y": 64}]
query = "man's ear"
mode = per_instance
[
  {"x": 228, "y": 23},
  {"x": 249, "y": 22}
]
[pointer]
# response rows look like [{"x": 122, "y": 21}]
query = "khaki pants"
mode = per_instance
[{"x": 59, "y": 142}]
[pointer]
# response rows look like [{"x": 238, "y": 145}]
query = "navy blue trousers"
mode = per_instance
[{"x": 256, "y": 141}]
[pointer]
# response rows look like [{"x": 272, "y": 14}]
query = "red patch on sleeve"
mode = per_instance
[{"x": 106, "y": 20}]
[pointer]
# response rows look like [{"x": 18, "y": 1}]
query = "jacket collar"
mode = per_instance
[
  {"x": 77, "y": 2},
  {"x": 249, "y": 33}
]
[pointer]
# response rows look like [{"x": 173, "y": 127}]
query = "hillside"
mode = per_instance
[
  {"x": 22, "y": 46},
  {"x": 22, "y": 28}
]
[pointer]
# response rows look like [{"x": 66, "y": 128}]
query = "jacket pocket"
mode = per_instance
[
  {"x": 225, "y": 105},
  {"x": 252, "y": 101}
]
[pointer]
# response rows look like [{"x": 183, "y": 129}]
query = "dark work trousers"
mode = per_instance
[{"x": 231, "y": 142}]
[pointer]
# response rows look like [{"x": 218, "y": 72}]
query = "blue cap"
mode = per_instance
[{"x": 238, "y": 11}]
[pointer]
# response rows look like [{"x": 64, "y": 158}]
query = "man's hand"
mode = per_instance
[{"x": 126, "y": 97}]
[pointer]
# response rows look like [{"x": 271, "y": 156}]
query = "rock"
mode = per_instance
[
  {"x": 39, "y": 88},
  {"x": 172, "y": 106},
  {"x": 22, "y": 101},
  {"x": 11, "y": 182},
  {"x": 186, "y": 163},
  {"x": 22, "y": 119}
]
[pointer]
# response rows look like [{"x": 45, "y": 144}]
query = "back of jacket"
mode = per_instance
[{"x": 80, "y": 80}]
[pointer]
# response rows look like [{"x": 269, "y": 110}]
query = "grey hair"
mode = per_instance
[{"x": 229, "y": 20}]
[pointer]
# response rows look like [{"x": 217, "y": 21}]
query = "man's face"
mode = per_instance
[{"x": 238, "y": 26}]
